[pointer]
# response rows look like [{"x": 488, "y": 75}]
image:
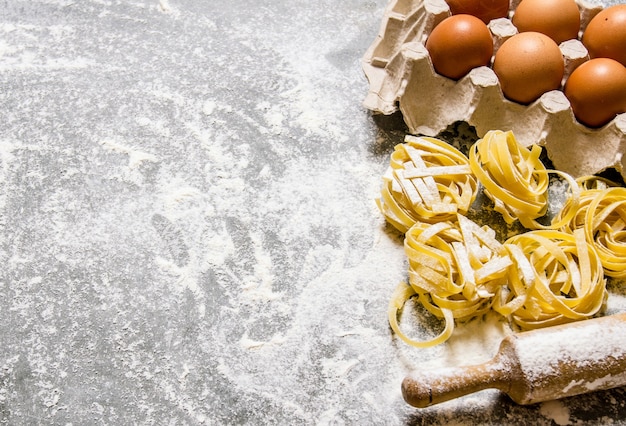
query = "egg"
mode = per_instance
[
  {"x": 605, "y": 35},
  {"x": 485, "y": 10},
  {"x": 528, "y": 65},
  {"x": 558, "y": 19},
  {"x": 458, "y": 44},
  {"x": 596, "y": 91}
]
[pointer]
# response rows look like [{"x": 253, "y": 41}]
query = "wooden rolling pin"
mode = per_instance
[{"x": 535, "y": 366}]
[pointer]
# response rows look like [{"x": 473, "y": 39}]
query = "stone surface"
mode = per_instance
[{"x": 188, "y": 232}]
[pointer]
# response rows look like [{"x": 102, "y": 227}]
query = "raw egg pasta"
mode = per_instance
[
  {"x": 428, "y": 181},
  {"x": 602, "y": 215},
  {"x": 400, "y": 296},
  {"x": 515, "y": 179},
  {"x": 594, "y": 182},
  {"x": 455, "y": 269},
  {"x": 557, "y": 278},
  {"x": 458, "y": 270}
]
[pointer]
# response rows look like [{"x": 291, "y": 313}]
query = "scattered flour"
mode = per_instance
[{"x": 556, "y": 411}]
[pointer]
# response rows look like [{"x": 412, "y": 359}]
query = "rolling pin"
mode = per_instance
[{"x": 535, "y": 366}]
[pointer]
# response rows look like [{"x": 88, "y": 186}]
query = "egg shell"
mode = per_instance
[
  {"x": 528, "y": 65},
  {"x": 458, "y": 44},
  {"x": 401, "y": 77},
  {"x": 596, "y": 91},
  {"x": 605, "y": 35},
  {"x": 486, "y": 10},
  {"x": 558, "y": 19}
]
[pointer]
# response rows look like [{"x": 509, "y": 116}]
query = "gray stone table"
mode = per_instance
[{"x": 188, "y": 232}]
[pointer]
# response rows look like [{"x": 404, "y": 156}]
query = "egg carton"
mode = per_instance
[{"x": 401, "y": 77}]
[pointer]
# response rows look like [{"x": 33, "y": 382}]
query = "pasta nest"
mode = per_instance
[
  {"x": 455, "y": 269},
  {"x": 428, "y": 180},
  {"x": 601, "y": 213},
  {"x": 556, "y": 277},
  {"x": 514, "y": 178}
]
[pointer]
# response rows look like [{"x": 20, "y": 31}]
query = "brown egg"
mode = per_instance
[
  {"x": 558, "y": 19},
  {"x": 597, "y": 91},
  {"x": 486, "y": 10},
  {"x": 528, "y": 65},
  {"x": 458, "y": 44},
  {"x": 605, "y": 35}
]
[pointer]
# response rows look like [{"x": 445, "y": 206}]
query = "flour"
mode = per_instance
[
  {"x": 166, "y": 7},
  {"x": 135, "y": 157},
  {"x": 555, "y": 410}
]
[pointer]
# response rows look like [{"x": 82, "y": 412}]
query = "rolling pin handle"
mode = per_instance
[{"x": 424, "y": 388}]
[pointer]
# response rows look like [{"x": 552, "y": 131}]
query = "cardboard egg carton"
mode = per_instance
[{"x": 401, "y": 77}]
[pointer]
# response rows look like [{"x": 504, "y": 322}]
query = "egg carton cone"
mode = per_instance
[{"x": 401, "y": 77}]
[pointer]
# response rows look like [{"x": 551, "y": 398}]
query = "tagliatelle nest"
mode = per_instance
[
  {"x": 455, "y": 269},
  {"x": 557, "y": 277},
  {"x": 428, "y": 181},
  {"x": 515, "y": 179},
  {"x": 601, "y": 213}
]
